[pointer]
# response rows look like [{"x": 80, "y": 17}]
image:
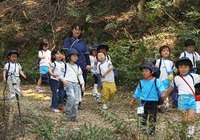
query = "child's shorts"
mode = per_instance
[
  {"x": 186, "y": 101},
  {"x": 99, "y": 80},
  {"x": 44, "y": 69},
  {"x": 166, "y": 83}
]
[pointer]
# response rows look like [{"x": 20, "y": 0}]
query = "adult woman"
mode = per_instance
[{"x": 75, "y": 41}]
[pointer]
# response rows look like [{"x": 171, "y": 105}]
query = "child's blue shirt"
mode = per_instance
[{"x": 148, "y": 90}]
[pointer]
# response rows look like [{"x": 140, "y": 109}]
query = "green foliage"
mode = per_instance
[
  {"x": 86, "y": 132},
  {"x": 45, "y": 30},
  {"x": 39, "y": 123}
]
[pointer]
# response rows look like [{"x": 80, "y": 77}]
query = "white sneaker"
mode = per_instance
[
  {"x": 104, "y": 107},
  {"x": 98, "y": 98},
  {"x": 109, "y": 104},
  {"x": 39, "y": 90},
  {"x": 190, "y": 131},
  {"x": 94, "y": 93},
  {"x": 55, "y": 110}
]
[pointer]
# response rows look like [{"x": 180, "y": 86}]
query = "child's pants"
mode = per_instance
[
  {"x": 73, "y": 98},
  {"x": 150, "y": 109},
  {"x": 55, "y": 95},
  {"x": 13, "y": 88},
  {"x": 108, "y": 91}
]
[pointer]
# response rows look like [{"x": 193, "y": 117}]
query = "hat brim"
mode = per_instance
[
  {"x": 12, "y": 53},
  {"x": 147, "y": 66},
  {"x": 182, "y": 59},
  {"x": 103, "y": 46}
]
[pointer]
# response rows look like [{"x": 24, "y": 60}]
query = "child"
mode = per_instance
[
  {"x": 148, "y": 91},
  {"x": 45, "y": 59},
  {"x": 185, "y": 82},
  {"x": 12, "y": 71},
  {"x": 93, "y": 61},
  {"x": 55, "y": 71},
  {"x": 101, "y": 48},
  {"x": 105, "y": 70},
  {"x": 71, "y": 83},
  {"x": 166, "y": 67},
  {"x": 190, "y": 53}
]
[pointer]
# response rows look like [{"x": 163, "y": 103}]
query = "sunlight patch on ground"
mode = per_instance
[{"x": 31, "y": 94}]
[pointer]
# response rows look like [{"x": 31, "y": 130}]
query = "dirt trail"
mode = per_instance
[{"x": 90, "y": 115}]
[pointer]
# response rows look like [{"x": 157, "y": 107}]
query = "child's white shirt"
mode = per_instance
[
  {"x": 93, "y": 60},
  {"x": 166, "y": 66},
  {"x": 183, "y": 88},
  {"x": 102, "y": 68},
  {"x": 58, "y": 68},
  {"x": 191, "y": 56},
  {"x": 13, "y": 68},
  {"x": 73, "y": 74},
  {"x": 47, "y": 60}
]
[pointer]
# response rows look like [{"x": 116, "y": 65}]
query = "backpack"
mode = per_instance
[
  {"x": 160, "y": 100},
  {"x": 175, "y": 94},
  {"x": 156, "y": 73}
]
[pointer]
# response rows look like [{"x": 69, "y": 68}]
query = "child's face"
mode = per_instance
[
  {"x": 101, "y": 57},
  {"x": 94, "y": 52},
  {"x": 13, "y": 57},
  {"x": 58, "y": 56},
  {"x": 183, "y": 69},
  {"x": 165, "y": 53},
  {"x": 63, "y": 56},
  {"x": 103, "y": 50},
  {"x": 45, "y": 47},
  {"x": 73, "y": 58},
  {"x": 146, "y": 73},
  {"x": 190, "y": 48}
]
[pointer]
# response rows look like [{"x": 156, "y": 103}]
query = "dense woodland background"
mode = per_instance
[{"x": 134, "y": 29}]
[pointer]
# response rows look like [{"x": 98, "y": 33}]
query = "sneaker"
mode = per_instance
[
  {"x": 55, "y": 110},
  {"x": 39, "y": 90},
  {"x": 61, "y": 108},
  {"x": 94, "y": 93},
  {"x": 74, "y": 119},
  {"x": 104, "y": 107},
  {"x": 190, "y": 131},
  {"x": 109, "y": 104},
  {"x": 98, "y": 98}
]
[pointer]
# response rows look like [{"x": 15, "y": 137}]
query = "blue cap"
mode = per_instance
[
  {"x": 183, "y": 59},
  {"x": 72, "y": 51},
  {"x": 12, "y": 52},
  {"x": 148, "y": 64},
  {"x": 101, "y": 46}
]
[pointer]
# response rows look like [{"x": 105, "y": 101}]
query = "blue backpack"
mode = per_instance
[{"x": 175, "y": 94}]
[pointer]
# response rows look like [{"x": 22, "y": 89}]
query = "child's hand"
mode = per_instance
[
  {"x": 65, "y": 83},
  {"x": 83, "y": 87},
  {"x": 55, "y": 75},
  {"x": 132, "y": 101},
  {"x": 103, "y": 76},
  {"x": 164, "y": 95},
  {"x": 88, "y": 67}
]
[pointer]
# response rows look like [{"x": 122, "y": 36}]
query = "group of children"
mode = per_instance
[
  {"x": 150, "y": 88},
  {"x": 66, "y": 79},
  {"x": 67, "y": 83}
]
